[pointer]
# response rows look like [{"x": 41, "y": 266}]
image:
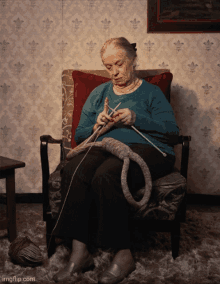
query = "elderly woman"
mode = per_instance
[{"x": 98, "y": 178}]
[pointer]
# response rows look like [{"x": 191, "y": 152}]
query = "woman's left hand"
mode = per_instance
[{"x": 124, "y": 117}]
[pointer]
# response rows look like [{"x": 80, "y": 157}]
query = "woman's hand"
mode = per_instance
[
  {"x": 103, "y": 118},
  {"x": 121, "y": 118},
  {"x": 124, "y": 117}
]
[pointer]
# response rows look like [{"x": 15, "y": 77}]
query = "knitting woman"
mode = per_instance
[{"x": 98, "y": 179}]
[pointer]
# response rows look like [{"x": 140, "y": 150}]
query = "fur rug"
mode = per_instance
[{"x": 198, "y": 261}]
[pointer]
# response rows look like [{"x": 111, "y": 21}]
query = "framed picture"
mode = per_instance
[{"x": 183, "y": 16}]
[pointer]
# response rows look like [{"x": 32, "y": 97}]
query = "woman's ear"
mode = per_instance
[{"x": 134, "y": 62}]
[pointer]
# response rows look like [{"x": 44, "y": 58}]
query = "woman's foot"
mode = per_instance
[
  {"x": 121, "y": 266},
  {"x": 80, "y": 261}
]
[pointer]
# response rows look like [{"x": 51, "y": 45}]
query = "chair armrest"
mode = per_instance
[
  {"x": 184, "y": 140},
  {"x": 50, "y": 139},
  {"x": 45, "y": 139}
]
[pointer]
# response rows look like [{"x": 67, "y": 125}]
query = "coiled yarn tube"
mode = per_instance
[{"x": 124, "y": 153}]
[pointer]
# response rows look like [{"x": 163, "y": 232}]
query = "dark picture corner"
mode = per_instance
[{"x": 185, "y": 16}]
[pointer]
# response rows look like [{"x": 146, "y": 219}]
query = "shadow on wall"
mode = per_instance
[
  {"x": 198, "y": 123},
  {"x": 177, "y": 100}
]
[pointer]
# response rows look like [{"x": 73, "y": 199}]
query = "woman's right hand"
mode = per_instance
[{"x": 103, "y": 118}]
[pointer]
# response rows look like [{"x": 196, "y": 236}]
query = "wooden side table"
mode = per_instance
[{"x": 7, "y": 170}]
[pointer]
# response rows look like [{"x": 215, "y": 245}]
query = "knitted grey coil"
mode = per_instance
[{"x": 124, "y": 153}]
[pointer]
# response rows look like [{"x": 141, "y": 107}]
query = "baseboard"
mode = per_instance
[
  {"x": 203, "y": 199},
  {"x": 24, "y": 198},
  {"x": 38, "y": 198}
]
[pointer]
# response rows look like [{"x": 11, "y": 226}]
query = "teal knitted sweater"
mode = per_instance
[{"x": 154, "y": 116}]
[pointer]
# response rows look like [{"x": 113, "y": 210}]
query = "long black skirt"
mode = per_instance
[{"x": 98, "y": 181}]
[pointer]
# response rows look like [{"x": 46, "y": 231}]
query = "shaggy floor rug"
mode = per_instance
[{"x": 198, "y": 261}]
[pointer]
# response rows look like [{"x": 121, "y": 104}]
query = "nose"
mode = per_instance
[{"x": 115, "y": 70}]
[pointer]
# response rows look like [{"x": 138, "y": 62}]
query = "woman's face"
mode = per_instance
[{"x": 119, "y": 65}]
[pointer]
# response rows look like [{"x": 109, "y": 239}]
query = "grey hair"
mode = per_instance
[{"x": 122, "y": 43}]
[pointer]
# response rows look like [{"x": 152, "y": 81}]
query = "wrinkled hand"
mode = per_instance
[
  {"x": 103, "y": 118},
  {"x": 121, "y": 118},
  {"x": 124, "y": 117}
]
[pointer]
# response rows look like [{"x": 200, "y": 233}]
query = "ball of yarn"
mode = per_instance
[{"x": 24, "y": 252}]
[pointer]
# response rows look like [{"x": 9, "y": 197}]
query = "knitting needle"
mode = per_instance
[
  {"x": 164, "y": 154},
  {"x": 100, "y": 126}
]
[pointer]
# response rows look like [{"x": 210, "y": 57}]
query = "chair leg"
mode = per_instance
[{"x": 175, "y": 239}]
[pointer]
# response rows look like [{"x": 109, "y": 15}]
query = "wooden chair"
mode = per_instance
[{"x": 169, "y": 190}]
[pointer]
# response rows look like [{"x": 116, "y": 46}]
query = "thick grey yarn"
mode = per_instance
[{"x": 124, "y": 153}]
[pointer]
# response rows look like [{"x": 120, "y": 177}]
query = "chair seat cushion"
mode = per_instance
[{"x": 167, "y": 195}]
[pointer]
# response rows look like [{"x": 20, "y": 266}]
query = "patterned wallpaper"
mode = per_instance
[{"x": 40, "y": 38}]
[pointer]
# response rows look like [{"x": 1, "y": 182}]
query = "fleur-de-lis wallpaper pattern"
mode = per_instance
[{"x": 40, "y": 38}]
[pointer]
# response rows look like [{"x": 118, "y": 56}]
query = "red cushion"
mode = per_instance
[
  {"x": 163, "y": 81},
  {"x": 84, "y": 83}
]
